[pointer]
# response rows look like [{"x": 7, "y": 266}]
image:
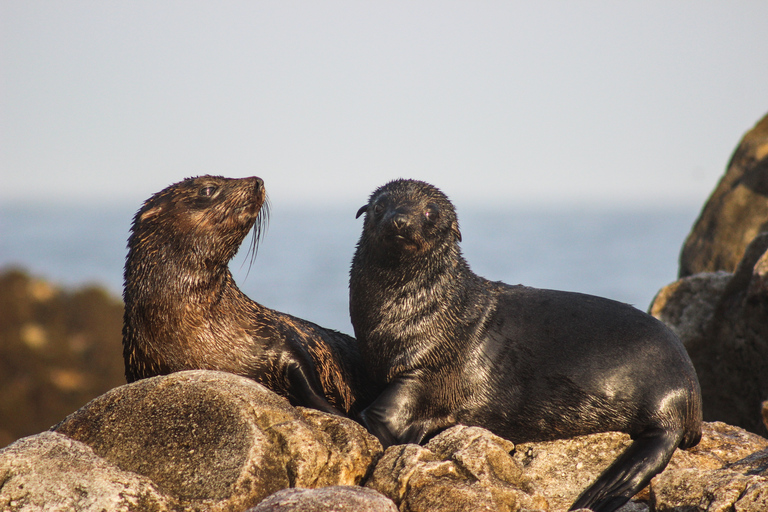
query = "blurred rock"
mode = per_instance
[
  {"x": 765, "y": 414},
  {"x": 326, "y": 499},
  {"x": 58, "y": 349},
  {"x": 736, "y": 211},
  {"x": 722, "y": 320}
]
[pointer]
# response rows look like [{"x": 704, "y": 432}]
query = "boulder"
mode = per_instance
[
  {"x": 461, "y": 469},
  {"x": 50, "y": 471},
  {"x": 201, "y": 440},
  {"x": 326, "y": 499},
  {"x": 721, "y": 319},
  {"x": 736, "y": 211}
]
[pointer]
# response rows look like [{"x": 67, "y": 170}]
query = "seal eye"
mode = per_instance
[
  {"x": 377, "y": 208},
  {"x": 432, "y": 214},
  {"x": 208, "y": 191}
]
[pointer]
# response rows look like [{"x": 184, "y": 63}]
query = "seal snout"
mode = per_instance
[{"x": 400, "y": 219}]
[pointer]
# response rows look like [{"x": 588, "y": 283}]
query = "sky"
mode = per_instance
[{"x": 499, "y": 104}]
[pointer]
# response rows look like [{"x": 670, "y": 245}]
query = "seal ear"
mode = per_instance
[
  {"x": 455, "y": 229},
  {"x": 151, "y": 212},
  {"x": 361, "y": 211}
]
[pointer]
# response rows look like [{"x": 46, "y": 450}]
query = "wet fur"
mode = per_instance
[
  {"x": 528, "y": 364},
  {"x": 184, "y": 311}
]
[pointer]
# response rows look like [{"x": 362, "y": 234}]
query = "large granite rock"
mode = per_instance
[
  {"x": 722, "y": 319},
  {"x": 736, "y": 211},
  {"x": 195, "y": 440}
]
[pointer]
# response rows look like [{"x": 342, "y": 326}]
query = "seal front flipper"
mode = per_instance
[
  {"x": 647, "y": 456},
  {"x": 391, "y": 416},
  {"x": 305, "y": 390}
]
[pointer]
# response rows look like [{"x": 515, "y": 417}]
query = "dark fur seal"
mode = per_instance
[
  {"x": 528, "y": 364},
  {"x": 184, "y": 311}
]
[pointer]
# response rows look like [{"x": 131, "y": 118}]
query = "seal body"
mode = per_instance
[
  {"x": 450, "y": 347},
  {"x": 184, "y": 311}
]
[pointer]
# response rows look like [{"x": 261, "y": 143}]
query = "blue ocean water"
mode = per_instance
[{"x": 302, "y": 265}]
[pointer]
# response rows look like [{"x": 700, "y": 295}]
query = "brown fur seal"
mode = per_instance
[
  {"x": 528, "y": 364},
  {"x": 184, "y": 311}
]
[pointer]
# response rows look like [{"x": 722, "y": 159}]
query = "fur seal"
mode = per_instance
[
  {"x": 184, "y": 311},
  {"x": 529, "y": 364}
]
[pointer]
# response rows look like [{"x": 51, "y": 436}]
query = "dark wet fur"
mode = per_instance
[
  {"x": 184, "y": 311},
  {"x": 528, "y": 364}
]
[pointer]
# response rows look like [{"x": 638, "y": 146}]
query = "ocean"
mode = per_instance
[{"x": 302, "y": 266}]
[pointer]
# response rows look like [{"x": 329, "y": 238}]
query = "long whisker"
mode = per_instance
[{"x": 259, "y": 231}]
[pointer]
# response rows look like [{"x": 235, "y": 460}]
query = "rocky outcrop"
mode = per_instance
[
  {"x": 736, "y": 211},
  {"x": 58, "y": 350},
  {"x": 201, "y": 440},
  {"x": 193, "y": 440},
  {"x": 721, "y": 319}
]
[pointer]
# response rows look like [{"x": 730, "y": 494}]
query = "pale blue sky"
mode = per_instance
[{"x": 497, "y": 103}]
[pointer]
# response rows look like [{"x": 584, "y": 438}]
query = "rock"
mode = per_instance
[
  {"x": 208, "y": 440},
  {"x": 58, "y": 350},
  {"x": 765, "y": 414},
  {"x": 560, "y": 470},
  {"x": 742, "y": 486},
  {"x": 50, "y": 471},
  {"x": 721, "y": 444},
  {"x": 736, "y": 211},
  {"x": 326, "y": 499},
  {"x": 687, "y": 305},
  {"x": 721, "y": 319},
  {"x": 461, "y": 469}
]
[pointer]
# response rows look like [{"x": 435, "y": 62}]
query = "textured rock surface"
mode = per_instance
[
  {"x": 736, "y": 211},
  {"x": 49, "y": 471},
  {"x": 721, "y": 319},
  {"x": 561, "y": 470},
  {"x": 687, "y": 305},
  {"x": 216, "y": 440},
  {"x": 326, "y": 499},
  {"x": 461, "y": 469},
  {"x": 741, "y": 486}
]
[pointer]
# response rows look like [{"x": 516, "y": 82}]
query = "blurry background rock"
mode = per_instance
[
  {"x": 736, "y": 211},
  {"x": 719, "y": 307},
  {"x": 58, "y": 350}
]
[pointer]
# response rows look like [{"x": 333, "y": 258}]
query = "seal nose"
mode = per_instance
[
  {"x": 399, "y": 220},
  {"x": 257, "y": 182}
]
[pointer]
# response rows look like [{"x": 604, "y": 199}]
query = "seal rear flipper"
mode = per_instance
[{"x": 647, "y": 456}]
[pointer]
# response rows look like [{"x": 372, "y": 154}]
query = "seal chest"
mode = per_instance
[{"x": 448, "y": 347}]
